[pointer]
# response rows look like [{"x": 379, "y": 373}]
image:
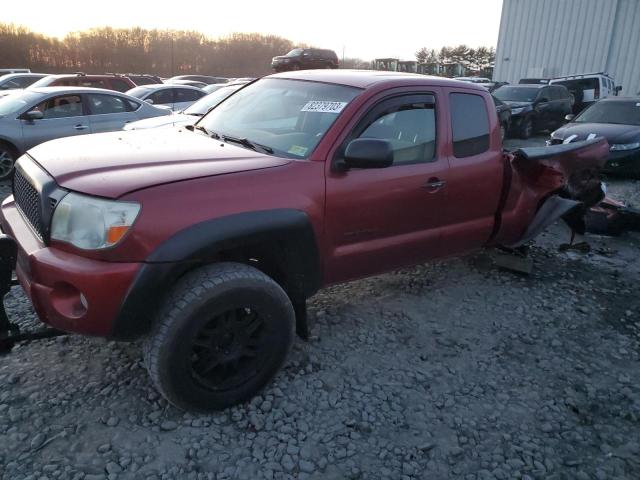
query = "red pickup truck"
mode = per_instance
[{"x": 206, "y": 241}]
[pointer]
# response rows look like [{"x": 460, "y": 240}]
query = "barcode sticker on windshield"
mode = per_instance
[{"x": 324, "y": 107}]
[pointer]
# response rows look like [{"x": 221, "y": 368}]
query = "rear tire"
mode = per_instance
[
  {"x": 221, "y": 336},
  {"x": 8, "y": 157}
]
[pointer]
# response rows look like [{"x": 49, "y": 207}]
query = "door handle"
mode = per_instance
[
  {"x": 434, "y": 184},
  {"x": 81, "y": 127}
]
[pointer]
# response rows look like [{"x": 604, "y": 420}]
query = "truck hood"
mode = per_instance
[{"x": 112, "y": 164}]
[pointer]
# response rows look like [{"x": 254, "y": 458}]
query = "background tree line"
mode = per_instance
[
  {"x": 137, "y": 50},
  {"x": 474, "y": 59}
]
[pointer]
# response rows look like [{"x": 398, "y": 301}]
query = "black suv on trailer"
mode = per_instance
[{"x": 305, "y": 59}]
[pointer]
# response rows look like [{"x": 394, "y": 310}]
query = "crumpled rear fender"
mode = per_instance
[{"x": 543, "y": 184}]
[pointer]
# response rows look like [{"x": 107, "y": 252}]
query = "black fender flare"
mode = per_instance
[{"x": 288, "y": 232}]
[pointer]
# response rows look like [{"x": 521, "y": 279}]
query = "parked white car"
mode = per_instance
[
  {"x": 175, "y": 97},
  {"x": 190, "y": 115}
]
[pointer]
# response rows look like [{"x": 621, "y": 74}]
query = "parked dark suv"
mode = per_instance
[
  {"x": 305, "y": 59},
  {"x": 535, "y": 107}
]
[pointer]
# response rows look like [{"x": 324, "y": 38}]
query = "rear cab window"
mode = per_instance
[{"x": 469, "y": 124}]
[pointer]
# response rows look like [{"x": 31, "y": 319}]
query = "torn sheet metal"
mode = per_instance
[
  {"x": 541, "y": 178},
  {"x": 553, "y": 209},
  {"x": 610, "y": 217}
]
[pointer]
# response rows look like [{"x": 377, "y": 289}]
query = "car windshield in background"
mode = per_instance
[
  {"x": 138, "y": 92},
  {"x": 205, "y": 104},
  {"x": 294, "y": 53},
  {"x": 289, "y": 117},
  {"x": 15, "y": 102},
  {"x": 623, "y": 113},
  {"x": 516, "y": 94}
]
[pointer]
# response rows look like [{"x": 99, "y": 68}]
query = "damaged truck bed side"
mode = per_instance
[
  {"x": 545, "y": 184},
  {"x": 207, "y": 241}
]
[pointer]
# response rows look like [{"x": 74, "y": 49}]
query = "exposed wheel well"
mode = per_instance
[{"x": 271, "y": 260}]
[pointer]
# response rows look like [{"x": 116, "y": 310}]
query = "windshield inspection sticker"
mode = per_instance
[
  {"x": 324, "y": 107},
  {"x": 298, "y": 150}
]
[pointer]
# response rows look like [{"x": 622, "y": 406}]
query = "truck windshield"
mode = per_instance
[
  {"x": 624, "y": 113},
  {"x": 294, "y": 53},
  {"x": 289, "y": 117},
  {"x": 516, "y": 94},
  {"x": 208, "y": 102}
]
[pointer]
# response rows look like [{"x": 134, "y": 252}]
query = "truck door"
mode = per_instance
[
  {"x": 475, "y": 177},
  {"x": 384, "y": 218}
]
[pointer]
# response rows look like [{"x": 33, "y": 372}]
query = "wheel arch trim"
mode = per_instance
[{"x": 289, "y": 231}]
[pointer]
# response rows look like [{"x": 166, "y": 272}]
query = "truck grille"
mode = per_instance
[{"x": 28, "y": 202}]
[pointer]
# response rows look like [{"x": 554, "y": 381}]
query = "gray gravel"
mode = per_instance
[{"x": 449, "y": 370}]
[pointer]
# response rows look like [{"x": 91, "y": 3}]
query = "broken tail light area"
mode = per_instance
[{"x": 548, "y": 183}]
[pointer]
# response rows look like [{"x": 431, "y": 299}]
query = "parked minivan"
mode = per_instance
[
  {"x": 305, "y": 59},
  {"x": 587, "y": 88}
]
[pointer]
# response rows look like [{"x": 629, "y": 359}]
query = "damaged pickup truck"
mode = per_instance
[{"x": 207, "y": 241}]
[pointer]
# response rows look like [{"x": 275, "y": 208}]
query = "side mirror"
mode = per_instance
[
  {"x": 33, "y": 115},
  {"x": 569, "y": 117},
  {"x": 148, "y": 100},
  {"x": 618, "y": 89},
  {"x": 368, "y": 153},
  {"x": 543, "y": 100}
]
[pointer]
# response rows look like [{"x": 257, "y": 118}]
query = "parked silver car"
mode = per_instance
[
  {"x": 176, "y": 97},
  {"x": 190, "y": 115},
  {"x": 13, "y": 81},
  {"x": 30, "y": 117}
]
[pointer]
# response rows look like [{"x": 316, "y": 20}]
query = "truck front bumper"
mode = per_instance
[{"x": 68, "y": 292}]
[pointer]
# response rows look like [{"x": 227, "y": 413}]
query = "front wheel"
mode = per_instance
[
  {"x": 526, "y": 128},
  {"x": 8, "y": 157},
  {"x": 221, "y": 336}
]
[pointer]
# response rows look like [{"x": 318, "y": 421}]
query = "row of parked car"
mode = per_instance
[
  {"x": 56, "y": 106},
  {"x": 542, "y": 104}
]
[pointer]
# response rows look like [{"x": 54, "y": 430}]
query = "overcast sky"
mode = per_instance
[{"x": 365, "y": 29}]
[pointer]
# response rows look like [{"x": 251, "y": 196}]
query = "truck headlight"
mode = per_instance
[
  {"x": 616, "y": 147},
  {"x": 92, "y": 223}
]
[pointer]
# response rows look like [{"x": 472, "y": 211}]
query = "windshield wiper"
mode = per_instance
[
  {"x": 193, "y": 114},
  {"x": 213, "y": 135},
  {"x": 245, "y": 142}
]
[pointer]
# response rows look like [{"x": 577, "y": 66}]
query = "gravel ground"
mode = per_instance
[{"x": 450, "y": 370}]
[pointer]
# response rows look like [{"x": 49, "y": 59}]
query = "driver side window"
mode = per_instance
[
  {"x": 410, "y": 129},
  {"x": 61, "y": 107}
]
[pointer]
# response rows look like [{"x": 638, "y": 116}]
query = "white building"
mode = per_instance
[{"x": 550, "y": 38}]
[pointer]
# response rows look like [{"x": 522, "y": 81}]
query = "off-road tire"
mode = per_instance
[
  {"x": 197, "y": 298},
  {"x": 7, "y": 154}
]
